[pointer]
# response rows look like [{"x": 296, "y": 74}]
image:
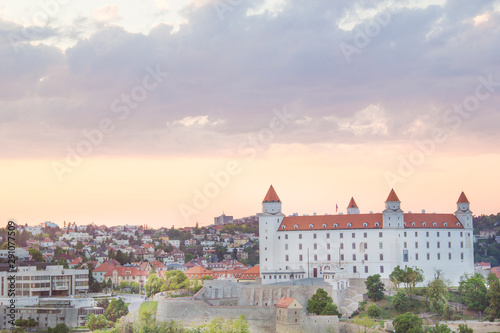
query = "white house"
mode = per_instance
[{"x": 296, "y": 247}]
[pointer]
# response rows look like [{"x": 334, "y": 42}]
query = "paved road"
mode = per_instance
[{"x": 134, "y": 300}]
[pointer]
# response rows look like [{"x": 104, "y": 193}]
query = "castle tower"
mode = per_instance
[
  {"x": 269, "y": 222},
  {"x": 352, "y": 208},
  {"x": 393, "y": 215},
  {"x": 463, "y": 213},
  {"x": 271, "y": 203}
]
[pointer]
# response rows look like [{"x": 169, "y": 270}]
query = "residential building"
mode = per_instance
[
  {"x": 43, "y": 279},
  {"x": 223, "y": 219}
]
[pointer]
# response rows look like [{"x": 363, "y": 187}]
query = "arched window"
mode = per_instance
[
  {"x": 349, "y": 225},
  {"x": 296, "y": 226},
  {"x": 424, "y": 224},
  {"x": 413, "y": 224},
  {"x": 377, "y": 224},
  {"x": 365, "y": 224},
  {"x": 335, "y": 225},
  {"x": 445, "y": 224},
  {"x": 434, "y": 224}
]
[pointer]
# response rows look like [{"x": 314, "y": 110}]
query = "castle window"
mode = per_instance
[
  {"x": 324, "y": 226},
  {"x": 311, "y": 226},
  {"x": 328, "y": 246},
  {"x": 296, "y": 226},
  {"x": 300, "y": 236},
  {"x": 300, "y": 246},
  {"x": 377, "y": 224},
  {"x": 424, "y": 224},
  {"x": 458, "y": 224},
  {"x": 328, "y": 257},
  {"x": 341, "y": 246},
  {"x": 353, "y": 257},
  {"x": 300, "y": 257},
  {"x": 328, "y": 235},
  {"x": 349, "y": 225},
  {"x": 434, "y": 224},
  {"x": 413, "y": 224},
  {"x": 315, "y": 257},
  {"x": 445, "y": 224},
  {"x": 283, "y": 227},
  {"x": 365, "y": 224},
  {"x": 341, "y": 257},
  {"x": 381, "y": 257},
  {"x": 365, "y": 235},
  {"x": 315, "y": 236},
  {"x": 286, "y": 257},
  {"x": 335, "y": 225}
]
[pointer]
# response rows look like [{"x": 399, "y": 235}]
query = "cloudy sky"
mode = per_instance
[{"x": 170, "y": 112}]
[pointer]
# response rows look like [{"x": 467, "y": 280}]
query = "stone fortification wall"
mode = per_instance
[{"x": 198, "y": 312}]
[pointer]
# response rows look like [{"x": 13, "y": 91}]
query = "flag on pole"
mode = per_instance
[{"x": 336, "y": 208}]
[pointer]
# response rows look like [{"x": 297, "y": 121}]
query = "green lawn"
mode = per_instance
[{"x": 148, "y": 306}]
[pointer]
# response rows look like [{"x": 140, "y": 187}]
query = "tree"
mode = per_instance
[
  {"x": 59, "y": 328},
  {"x": 463, "y": 328},
  {"x": 400, "y": 301},
  {"x": 153, "y": 285},
  {"x": 373, "y": 310},
  {"x": 407, "y": 323},
  {"x": 375, "y": 287},
  {"x": 31, "y": 323},
  {"x": 36, "y": 255},
  {"x": 396, "y": 277},
  {"x": 91, "y": 322},
  {"x": 21, "y": 323},
  {"x": 491, "y": 278},
  {"x": 437, "y": 293},
  {"x": 473, "y": 291},
  {"x": 317, "y": 303},
  {"x": 443, "y": 328},
  {"x": 493, "y": 294},
  {"x": 115, "y": 310},
  {"x": 331, "y": 310},
  {"x": 409, "y": 276}
]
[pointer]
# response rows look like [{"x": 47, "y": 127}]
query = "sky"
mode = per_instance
[{"x": 168, "y": 112}]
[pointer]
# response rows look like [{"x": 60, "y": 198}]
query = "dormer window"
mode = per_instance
[
  {"x": 404, "y": 223},
  {"x": 283, "y": 227},
  {"x": 434, "y": 224},
  {"x": 445, "y": 224},
  {"x": 377, "y": 224},
  {"x": 365, "y": 224},
  {"x": 349, "y": 225},
  {"x": 424, "y": 224},
  {"x": 413, "y": 224},
  {"x": 335, "y": 225},
  {"x": 311, "y": 226},
  {"x": 296, "y": 226},
  {"x": 324, "y": 226},
  {"x": 458, "y": 224}
]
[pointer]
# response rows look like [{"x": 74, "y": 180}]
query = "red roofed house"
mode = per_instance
[
  {"x": 127, "y": 274},
  {"x": 251, "y": 274},
  {"x": 75, "y": 262},
  {"x": 99, "y": 272},
  {"x": 496, "y": 271},
  {"x": 197, "y": 272},
  {"x": 289, "y": 315},
  {"x": 483, "y": 265},
  {"x": 298, "y": 247}
]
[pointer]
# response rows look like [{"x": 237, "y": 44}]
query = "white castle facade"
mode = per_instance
[{"x": 359, "y": 245}]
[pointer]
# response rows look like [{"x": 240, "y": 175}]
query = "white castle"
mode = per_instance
[{"x": 359, "y": 245}]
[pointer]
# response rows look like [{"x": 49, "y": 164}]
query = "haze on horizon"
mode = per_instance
[{"x": 117, "y": 114}]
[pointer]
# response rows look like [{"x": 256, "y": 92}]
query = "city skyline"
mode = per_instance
[{"x": 177, "y": 111}]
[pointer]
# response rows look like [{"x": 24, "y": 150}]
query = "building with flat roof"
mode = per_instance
[{"x": 44, "y": 280}]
